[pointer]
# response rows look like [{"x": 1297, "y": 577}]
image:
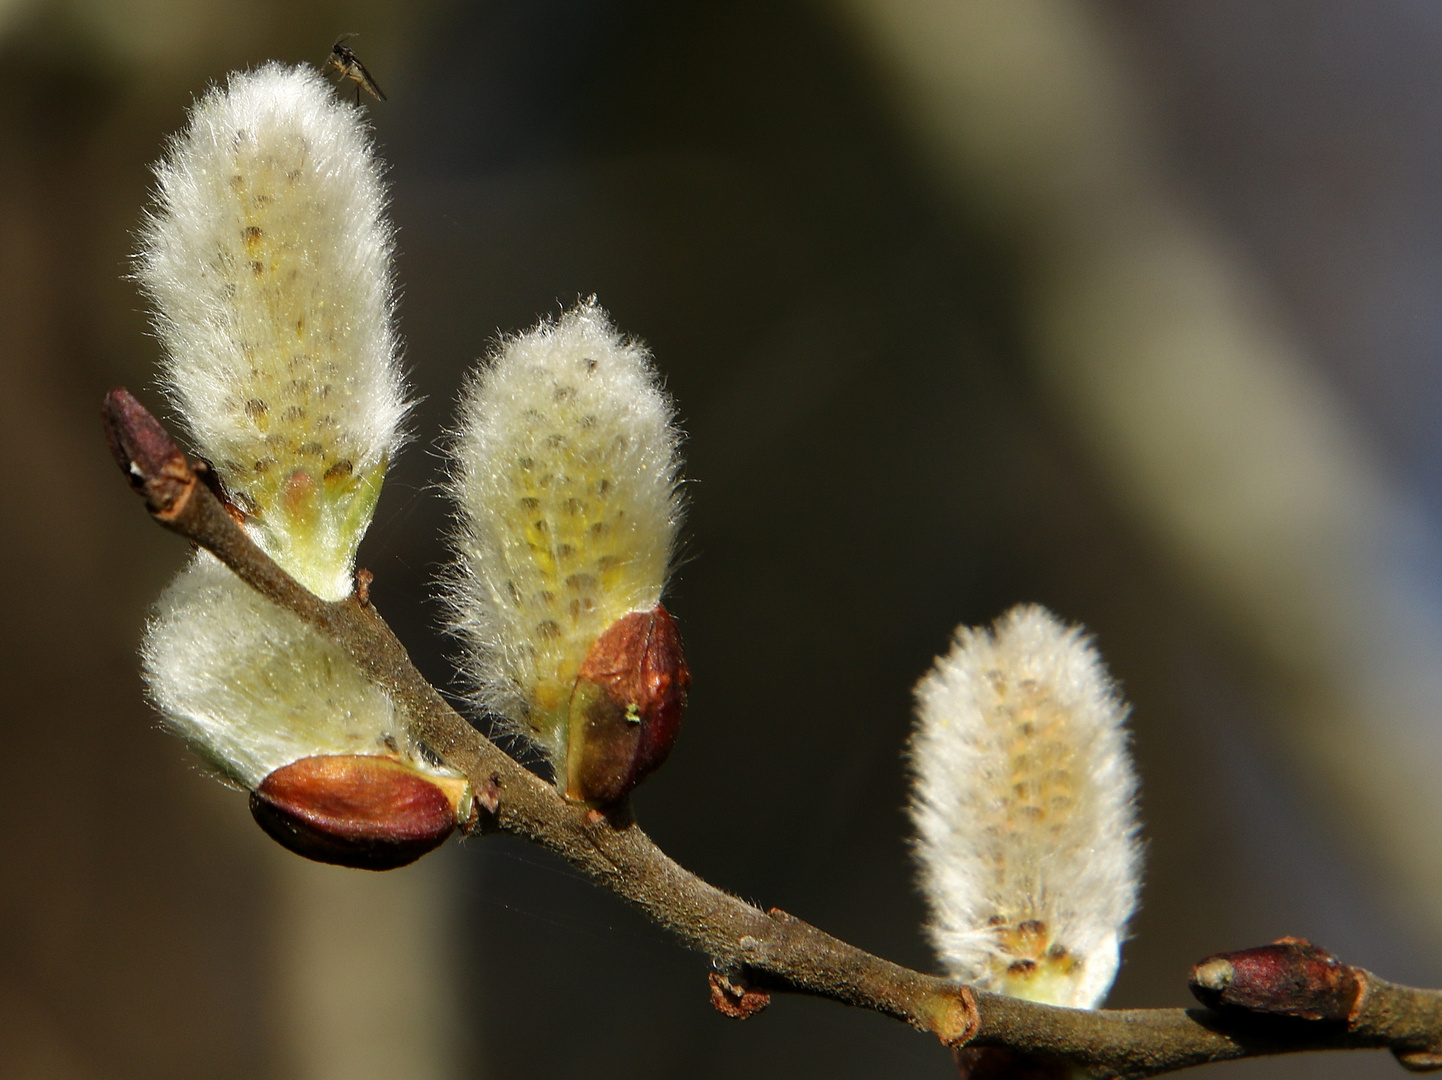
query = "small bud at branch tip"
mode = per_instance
[{"x": 151, "y": 461}]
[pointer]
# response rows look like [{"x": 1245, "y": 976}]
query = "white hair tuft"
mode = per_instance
[{"x": 251, "y": 687}]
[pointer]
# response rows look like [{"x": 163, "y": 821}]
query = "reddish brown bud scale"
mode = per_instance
[
  {"x": 371, "y": 813},
  {"x": 735, "y": 997},
  {"x": 145, "y": 452},
  {"x": 626, "y": 707},
  {"x": 1290, "y": 977}
]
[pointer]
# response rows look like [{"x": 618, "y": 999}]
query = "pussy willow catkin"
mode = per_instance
[
  {"x": 268, "y": 261},
  {"x": 1023, "y": 801},
  {"x": 566, "y": 481}
]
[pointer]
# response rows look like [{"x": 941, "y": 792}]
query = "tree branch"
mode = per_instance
[{"x": 754, "y": 951}]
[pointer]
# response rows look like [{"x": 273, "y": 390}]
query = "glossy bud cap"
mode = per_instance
[
  {"x": 626, "y": 707},
  {"x": 366, "y": 812},
  {"x": 1290, "y": 977}
]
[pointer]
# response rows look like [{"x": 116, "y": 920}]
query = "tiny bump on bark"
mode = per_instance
[{"x": 734, "y": 997}]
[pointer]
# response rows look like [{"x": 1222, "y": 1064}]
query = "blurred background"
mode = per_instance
[{"x": 1127, "y": 308}]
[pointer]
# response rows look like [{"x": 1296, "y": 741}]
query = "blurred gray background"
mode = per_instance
[{"x": 1128, "y": 308}]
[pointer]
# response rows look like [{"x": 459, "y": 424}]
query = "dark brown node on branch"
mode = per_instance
[
  {"x": 211, "y": 479},
  {"x": 1290, "y": 977},
  {"x": 626, "y": 708},
  {"x": 733, "y": 996},
  {"x": 1000, "y": 1063},
  {"x": 370, "y": 813},
  {"x": 488, "y": 795},
  {"x": 151, "y": 461}
]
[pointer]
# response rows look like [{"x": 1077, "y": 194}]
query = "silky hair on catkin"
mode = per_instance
[
  {"x": 1023, "y": 804},
  {"x": 565, "y": 476},
  {"x": 268, "y": 260}
]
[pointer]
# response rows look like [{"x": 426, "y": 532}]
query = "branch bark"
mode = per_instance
[{"x": 754, "y": 951}]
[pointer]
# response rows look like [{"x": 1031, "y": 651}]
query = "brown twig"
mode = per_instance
[
  {"x": 1147, "y": 1042},
  {"x": 754, "y": 951}
]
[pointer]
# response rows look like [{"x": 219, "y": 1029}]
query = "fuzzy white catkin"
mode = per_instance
[
  {"x": 1023, "y": 802},
  {"x": 268, "y": 259},
  {"x": 250, "y": 686},
  {"x": 565, "y": 478}
]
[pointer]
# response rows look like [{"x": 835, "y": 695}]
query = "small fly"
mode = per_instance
[{"x": 347, "y": 65}]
